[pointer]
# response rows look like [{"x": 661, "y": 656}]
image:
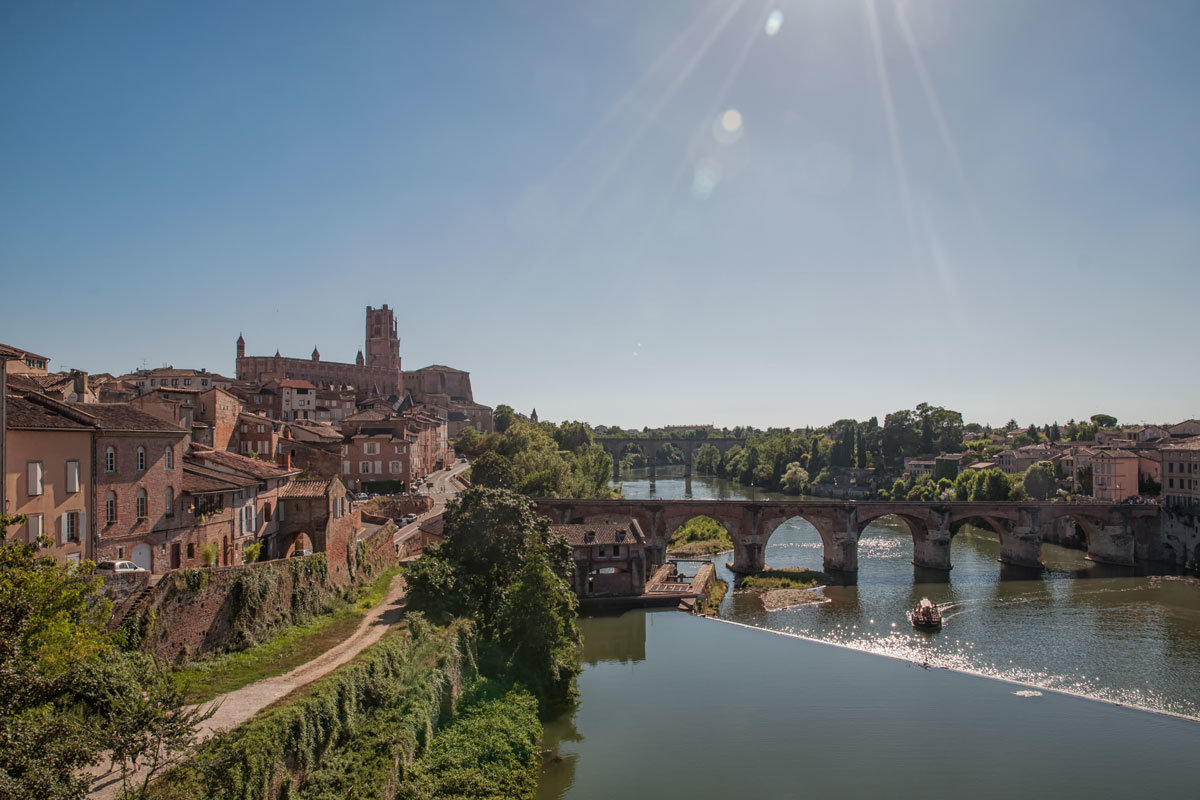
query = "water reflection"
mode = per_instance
[{"x": 615, "y": 637}]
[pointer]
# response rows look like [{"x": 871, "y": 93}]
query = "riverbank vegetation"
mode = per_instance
[
  {"x": 700, "y": 536},
  {"x": 501, "y": 566},
  {"x": 538, "y": 459},
  {"x": 68, "y": 691},
  {"x": 783, "y": 579}
]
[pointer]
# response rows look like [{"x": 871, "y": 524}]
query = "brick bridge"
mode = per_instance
[
  {"x": 1115, "y": 533},
  {"x": 615, "y": 446}
]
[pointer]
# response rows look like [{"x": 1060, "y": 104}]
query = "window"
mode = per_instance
[
  {"x": 34, "y": 525},
  {"x": 364, "y": 467},
  {"x": 35, "y": 478},
  {"x": 120, "y": 553},
  {"x": 394, "y": 467},
  {"x": 170, "y": 502},
  {"x": 141, "y": 504},
  {"x": 262, "y": 428},
  {"x": 141, "y": 459},
  {"x": 110, "y": 460},
  {"x": 71, "y": 527},
  {"x": 169, "y": 458},
  {"x": 371, "y": 448},
  {"x": 110, "y": 508},
  {"x": 191, "y": 551},
  {"x": 1170, "y": 466},
  {"x": 345, "y": 467},
  {"x": 72, "y": 476},
  {"x": 174, "y": 381},
  {"x": 187, "y": 381}
]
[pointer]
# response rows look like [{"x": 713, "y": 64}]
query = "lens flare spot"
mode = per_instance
[
  {"x": 705, "y": 178},
  {"x": 774, "y": 22},
  {"x": 731, "y": 121}
]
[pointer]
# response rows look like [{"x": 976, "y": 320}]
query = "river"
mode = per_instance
[{"x": 674, "y": 706}]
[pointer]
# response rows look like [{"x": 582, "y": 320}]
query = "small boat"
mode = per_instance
[{"x": 926, "y": 615}]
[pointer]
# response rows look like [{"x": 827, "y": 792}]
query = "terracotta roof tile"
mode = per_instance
[
  {"x": 29, "y": 414},
  {"x": 124, "y": 417},
  {"x": 305, "y": 489},
  {"x": 254, "y": 467},
  {"x": 623, "y": 532}
]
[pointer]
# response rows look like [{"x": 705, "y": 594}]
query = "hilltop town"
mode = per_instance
[{"x": 173, "y": 468}]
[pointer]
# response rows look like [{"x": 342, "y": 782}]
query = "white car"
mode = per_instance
[{"x": 118, "y": 567}]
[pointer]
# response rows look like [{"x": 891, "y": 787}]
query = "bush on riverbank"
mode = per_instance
[
  {"x": 784, "y": 579},
  {"x": 700, "y": 536},
  {"x": 717, "y": 590},
  {"x": 489, "y": 752},
  {"x": 348, "y": 735}
]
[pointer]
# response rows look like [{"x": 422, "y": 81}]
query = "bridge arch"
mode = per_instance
[
  {"x": 1020, "y": 544},
  {"x": 931, "y": 537},
  {"x": 831, "y": 547}
]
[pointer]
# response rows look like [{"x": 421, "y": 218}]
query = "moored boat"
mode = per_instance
[{"x": 925, "y": 614}]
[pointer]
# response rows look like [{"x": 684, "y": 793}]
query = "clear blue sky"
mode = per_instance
[{"x": 989, "y": 206}]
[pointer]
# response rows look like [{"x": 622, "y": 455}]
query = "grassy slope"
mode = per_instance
[{"x": 204, "y": 680}]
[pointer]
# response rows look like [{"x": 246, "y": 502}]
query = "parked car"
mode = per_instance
[
  {"x": 409, "y": 518},
  {"x": 119, "y": 567},
  {"x": 300, "y": 553},
  {"x": 362, "y": 496}
]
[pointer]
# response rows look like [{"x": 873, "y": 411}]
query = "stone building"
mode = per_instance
[
  {"x": 449, "y": 389},
  {"x": 379, "y": 372},
  {"x": 147, "y": 380},
  {"x": 1114, "y": 474},
  {"x": 320, "y": 516},
  {"x": 139, "y": 483},
  {"x": 610, "y": 557}
]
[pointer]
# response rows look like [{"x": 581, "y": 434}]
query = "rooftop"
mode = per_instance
[
  {"x": 305, "y": 489},
  {"x": 248, "y": 466},
  {"x": 126, "y": 418},
  {"x": 585, "y": 534}
]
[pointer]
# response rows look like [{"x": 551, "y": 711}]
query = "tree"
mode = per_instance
[
  {"x": 1104, "y": 420},
  {"x": 62, "y": 676},
  {"x": 1040, "y": 481},
  {"x": 1055, "y": 434},
  {"x": 1084, "y": 476},
  {"x": 493, "y": 471},
  {"x": 538, "y": 625},
  {"x": 860, "y": 454},
  {"x": 795, "y": 479},
  {"x": 503, "y": 417},
  {"x": 501, "y": 564},
  {"x": 152, "y": 727}
]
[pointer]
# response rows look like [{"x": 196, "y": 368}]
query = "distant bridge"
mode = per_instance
[
  {"x": 616, "y": 445},
  {"x": 1115, "y": 533}
]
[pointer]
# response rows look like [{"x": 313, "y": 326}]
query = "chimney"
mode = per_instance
[
  {"x": 80, "y": 385},
  {"x": 284, "y": 460}
]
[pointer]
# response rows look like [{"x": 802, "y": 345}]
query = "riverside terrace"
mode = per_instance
[{"x": 1115, "y": 533}]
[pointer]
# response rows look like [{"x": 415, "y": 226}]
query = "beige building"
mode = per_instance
[
  {"x": 48, "y": 475},
  {"x": 1181, "y": 473},
  {"x": 1114, "y": 475}
]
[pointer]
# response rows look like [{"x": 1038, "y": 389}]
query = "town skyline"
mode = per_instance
[{"x": 621, "y": 214}]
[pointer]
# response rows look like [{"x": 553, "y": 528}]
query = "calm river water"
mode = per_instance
[{"x": 675, "y": 706}]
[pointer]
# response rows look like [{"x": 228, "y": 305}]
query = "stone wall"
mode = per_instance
[
  {"x": 198, "y": 612},
  {"x": 1181, "y": 537}
]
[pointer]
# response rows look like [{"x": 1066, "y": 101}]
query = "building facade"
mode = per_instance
[
  {"x": 1181, "y": 473},
  {"x": 48, "y": 475},
  {"x": 381, "y": 373}
]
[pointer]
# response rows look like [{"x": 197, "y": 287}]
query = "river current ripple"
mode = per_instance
[{"x": 1078, "y": 627}]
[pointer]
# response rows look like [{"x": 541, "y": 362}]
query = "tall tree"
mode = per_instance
[{"x": 503, "y": 417}]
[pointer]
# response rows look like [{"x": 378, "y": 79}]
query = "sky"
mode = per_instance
[{"x": 754, "y": 212}]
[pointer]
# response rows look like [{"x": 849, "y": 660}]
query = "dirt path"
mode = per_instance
[{"x": 240, "y": 705}]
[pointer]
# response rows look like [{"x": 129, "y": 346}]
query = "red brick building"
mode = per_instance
[
  {"x": 321, "y": 516},
  {"x": 139, "y": 483}
]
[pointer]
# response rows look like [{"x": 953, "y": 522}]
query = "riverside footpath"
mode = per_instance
[{"x": 241, "y": 705}]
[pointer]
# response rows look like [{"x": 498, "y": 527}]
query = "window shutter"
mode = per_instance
[
  {"x": 62, "y": 529},
  {"x": 82, "y": 527},
  {"x": 72, "y": 476}
]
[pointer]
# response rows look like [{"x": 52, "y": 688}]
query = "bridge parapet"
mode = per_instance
[{"x": 1115, "y": 533}]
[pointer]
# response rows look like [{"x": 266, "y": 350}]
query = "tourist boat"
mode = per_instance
[{"x": 926, "y": 615}]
